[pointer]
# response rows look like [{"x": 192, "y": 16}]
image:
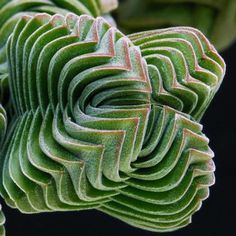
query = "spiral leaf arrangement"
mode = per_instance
[
  {"x": 102, "y": 120},
  {"x": 216, "y": 19},
  {"x": 97, "y": 125}
]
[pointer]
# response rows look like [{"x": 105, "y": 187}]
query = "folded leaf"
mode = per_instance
[
  {"x": 89, "y": 132},
  {"x": 12, "y": 10},
  {"x": 184, "y": 68}
]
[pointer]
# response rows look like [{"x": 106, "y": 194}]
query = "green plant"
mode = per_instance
[
  {"x": 215, "y": 18},
  {"x": 12, "y": 10},
  {"x": 105, "y": 121},
  {"x": 184, "y": 68},
  {"x": 3, "y": 126}
]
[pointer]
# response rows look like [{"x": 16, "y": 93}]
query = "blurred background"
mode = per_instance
[{"x": 217, "y": 216}]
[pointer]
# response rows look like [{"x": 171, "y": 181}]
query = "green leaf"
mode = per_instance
[
  {"x": 184, "y": 68},
  {"x": 216, "y": 19}
]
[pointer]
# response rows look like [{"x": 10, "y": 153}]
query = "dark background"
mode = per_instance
[{"x": 217, "y": 216}]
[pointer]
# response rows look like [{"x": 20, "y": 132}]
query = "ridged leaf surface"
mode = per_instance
[
  {"x": 184, "y": 68},
  {"x": 91, "y": 130},
  {"x": 12, "y": 10}
]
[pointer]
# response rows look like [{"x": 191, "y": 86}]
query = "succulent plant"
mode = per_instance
[
  {"x": 12, "y": 10},
  {"x": 215, "y": 18},
  {"x": 184, "y": 68},
  {"x": 2, "y": 221},
  {"x": 3, "y": 127},
  {"x": 100, "y": 120},
  {"x": 108, "y": 122}
]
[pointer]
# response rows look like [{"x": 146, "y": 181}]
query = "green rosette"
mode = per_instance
[
  {"x": 92, "y": 130},
  {"x": 215, "y": 18}
]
